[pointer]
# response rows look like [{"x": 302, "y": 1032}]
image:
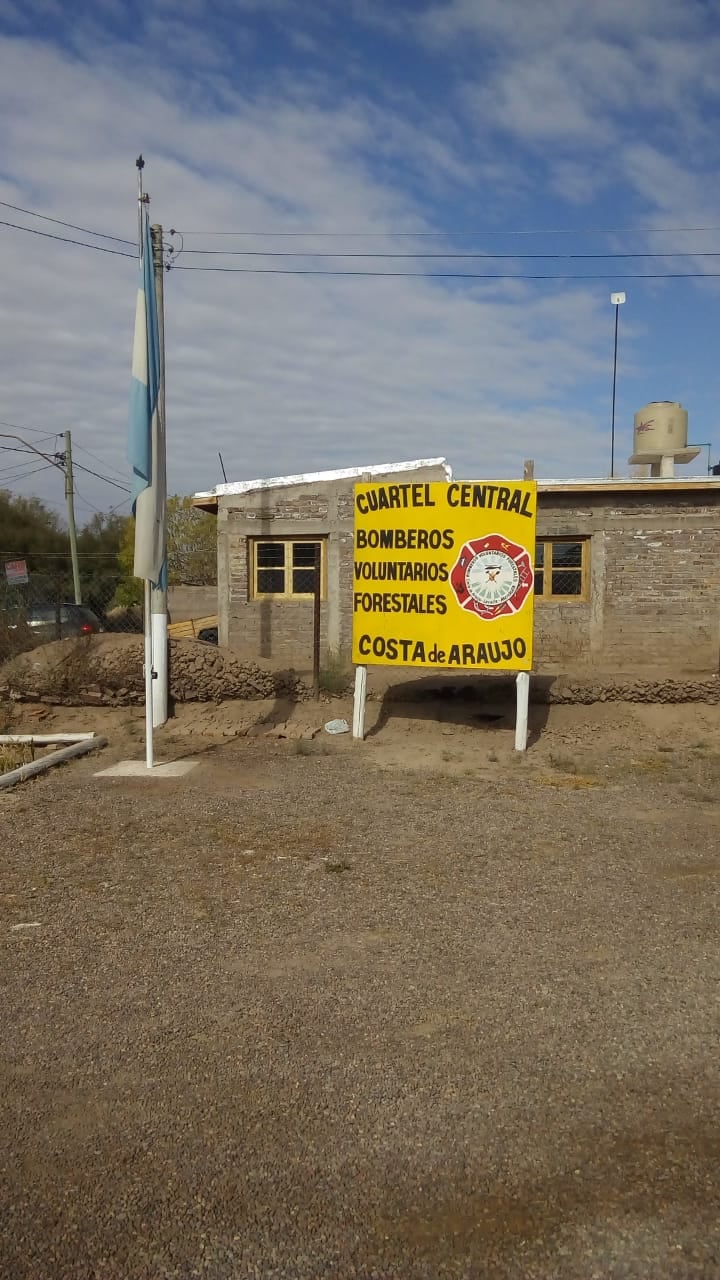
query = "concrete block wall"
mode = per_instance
[
  {"x": 654, "y": 588},
  {"x": 192, "y": 602},
  {"x": 281, "y": 631}
]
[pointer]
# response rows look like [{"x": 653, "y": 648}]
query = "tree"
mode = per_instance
[
  {"x": 28, "y": 531},
  {"x": 192, "y": 544},
  {"x": 192, "y": 550},
  {"x": 31, "y": 532}
]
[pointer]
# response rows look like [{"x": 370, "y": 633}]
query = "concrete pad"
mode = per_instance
[{"x": 138, "y": 769}]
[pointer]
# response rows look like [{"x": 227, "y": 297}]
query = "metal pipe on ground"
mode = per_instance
[
  {"x": 43, "y": 739},
  {"x": 26, "y": 771}
]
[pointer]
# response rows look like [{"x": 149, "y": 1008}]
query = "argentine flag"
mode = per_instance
[{"x": 146, "y": 449}]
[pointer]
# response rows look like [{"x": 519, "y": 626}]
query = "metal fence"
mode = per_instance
[{"x": 43, "y": 609}]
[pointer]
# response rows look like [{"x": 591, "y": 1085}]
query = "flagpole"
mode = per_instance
[
  {"x": 158, "y": 593},
  {"x": 147, "y": 618}
]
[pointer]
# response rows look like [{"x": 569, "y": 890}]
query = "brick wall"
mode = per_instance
[
  {"x": 278, "y": 629},
  {"x": 282, "y": 630},
  {"x": 654, "y": 584}
]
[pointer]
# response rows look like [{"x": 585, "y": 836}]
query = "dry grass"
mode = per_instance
[
  {"x": 13, "y": 755},
  {"x": 340, "y": 976},
  {"x": 570, "y": 782},
  {"x": 563, "y": 763}
]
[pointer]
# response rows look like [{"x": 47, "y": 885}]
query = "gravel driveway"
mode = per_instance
[{"x": 317, "y": 1015}]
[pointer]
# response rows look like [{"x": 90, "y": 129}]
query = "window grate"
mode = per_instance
[
  {"x": 562, "y": 568},
  {"x": 286, "y": 567}
]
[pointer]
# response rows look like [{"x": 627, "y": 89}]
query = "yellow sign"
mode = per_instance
[{"x": 443, "y": 575}]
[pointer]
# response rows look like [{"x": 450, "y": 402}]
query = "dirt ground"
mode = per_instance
[{"x": 413, "y": 1008}]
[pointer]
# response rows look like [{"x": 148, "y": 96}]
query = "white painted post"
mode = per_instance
[
  {"x": 521, "y": 713},
  {"x": 359, "y": 703}
]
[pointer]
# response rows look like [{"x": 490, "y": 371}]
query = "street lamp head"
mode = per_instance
[{"x": 617, "y": 299}]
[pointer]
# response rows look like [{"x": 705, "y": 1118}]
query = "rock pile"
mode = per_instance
[
  {"x": 107, "y": 670},
  {"x": 662, "y": 691}
]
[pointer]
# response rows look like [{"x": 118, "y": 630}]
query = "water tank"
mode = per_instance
[{"x": 661, "y": 427}]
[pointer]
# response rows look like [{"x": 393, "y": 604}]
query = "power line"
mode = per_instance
[
  {"x": 13, "y": 466},
  {"x": 54, "y": 555},
  {"x": 51, "y": 435},
  {"x": 99, "y": 512},
  {"x": 90, "y": 454},
  {"x": 125, "y": 488},
  {"x": 32, "y": 213},
  {"x": 122, "y": 503},
  {"x": 108, "y": 480},
  {"x": 492, "y": 257},
  {"x": 50, "y": 235},
  {"x": 13, "y": 448},
  {"x": 24, "y": 475},
  {"x": 454, "y": 275},
  {"x": 371, "y": 235},
  {"x": 39, "y": 431},
  {"x": 85, "y": 502}
]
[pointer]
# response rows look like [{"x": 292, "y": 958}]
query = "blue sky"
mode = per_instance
[{"x": 496, "y": 127}]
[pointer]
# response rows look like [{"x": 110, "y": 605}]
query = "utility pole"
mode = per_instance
[
  {"x": 158, "y": 594},
  {"x": 64, "y": 463},
  {"x": 70, "y": 498}
]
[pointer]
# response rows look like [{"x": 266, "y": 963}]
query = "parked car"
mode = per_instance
[{"x": 42, "y": 622}]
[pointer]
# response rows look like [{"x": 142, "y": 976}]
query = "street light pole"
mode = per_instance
[{"x": 617, "y": 300}]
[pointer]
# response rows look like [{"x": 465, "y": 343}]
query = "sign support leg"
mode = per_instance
[
  {"x": 359, "y": 703},
  {"x": 521, "y": 714}
]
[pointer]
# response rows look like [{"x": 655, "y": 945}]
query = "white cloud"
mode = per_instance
[
  {"x": 517, "y": 23},
  {"x": 584, "y": 76},
  {"x": 281, "y": 373}
]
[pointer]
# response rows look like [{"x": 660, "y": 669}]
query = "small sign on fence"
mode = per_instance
[{"x": 16, "y": 572}]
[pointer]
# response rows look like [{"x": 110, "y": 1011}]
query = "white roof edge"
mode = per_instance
[
  {"x": 313, "y": 477},
  {"x": 619, "y": 481}
]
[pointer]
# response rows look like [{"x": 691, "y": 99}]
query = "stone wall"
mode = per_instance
[{"x": 654, "y": 584}]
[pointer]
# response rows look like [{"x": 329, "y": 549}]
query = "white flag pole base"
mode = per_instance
[
  {"x": 522, "y": 685},
  {"x": 359, "y": 703},
  {"x": 147, "y": 620},
  {"x": 159, "y": 629}
]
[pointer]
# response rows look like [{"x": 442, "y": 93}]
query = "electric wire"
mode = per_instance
[{"x": 60, "y": 222}]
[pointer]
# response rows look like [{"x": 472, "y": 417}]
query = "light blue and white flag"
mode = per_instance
[{"x": 146, "y": 450}]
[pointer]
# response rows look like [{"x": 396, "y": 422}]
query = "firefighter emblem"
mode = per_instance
[{"x": 492, "y": 577}]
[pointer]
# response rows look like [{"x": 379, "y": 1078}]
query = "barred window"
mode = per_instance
[
  {"x": 286, "y": 567},
  {"x": 562, "y": 567}
]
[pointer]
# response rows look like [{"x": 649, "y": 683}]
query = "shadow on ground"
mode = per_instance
[{"x": 486, "y": 702}]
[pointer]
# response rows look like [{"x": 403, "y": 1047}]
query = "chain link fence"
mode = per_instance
[{"x": 43, "y": 608}]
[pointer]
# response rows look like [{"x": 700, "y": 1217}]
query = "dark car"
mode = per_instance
[{"x": 44, "y": 622}]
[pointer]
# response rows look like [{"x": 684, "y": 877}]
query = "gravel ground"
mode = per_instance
[{"x": 322, "y": 1012}]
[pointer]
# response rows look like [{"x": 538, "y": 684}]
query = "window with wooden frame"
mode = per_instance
[
  {"x": 284, "y": 568},
  {"x": 562, "y": 569}
]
